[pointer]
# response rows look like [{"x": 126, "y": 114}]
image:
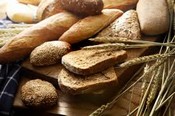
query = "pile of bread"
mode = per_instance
[{"x": 63, "y": 23}]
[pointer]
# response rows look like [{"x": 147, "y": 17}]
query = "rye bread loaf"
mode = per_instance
[
  {"x": 90, "y": 26},
  {"x": 86, "y": 62},
  {"x": 49, "y": 53},
  {"x": 83, "y": 7},
  {"x": 71, "y": 83},
  {"x": 126, "y": 26}
]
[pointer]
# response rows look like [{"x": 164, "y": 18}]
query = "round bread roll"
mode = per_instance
[
  {"x": 48, "y": 8},
  {"x": 83, "y": 7},
  {"x": 39, "y": 94},
  {"x": 49, "y": 53},
  {"x": 34, "y": 2}
]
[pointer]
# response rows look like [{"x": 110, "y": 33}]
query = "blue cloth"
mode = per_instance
[{"x": 9, "y": 78}]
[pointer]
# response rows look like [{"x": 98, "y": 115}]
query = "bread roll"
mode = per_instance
[
  {"x": 49, "y": 53},
  {"x": 83, "y": 7},
  {"x": 123, "y": 5},
  {"x": 89, "y": 26},
  {"x": 46, "y": 30},
  {"x": 18, "y": 12},
  {"x": 153, "y": 16},
  {"x": 39, "y": 94},
  {"x": 34, "y": 2},
  {"x": 48, "y": 8}
]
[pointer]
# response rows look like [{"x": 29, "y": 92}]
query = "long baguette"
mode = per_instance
[
  {"x": 46, "y": 30},
  {"x": 90, "y": 25}
]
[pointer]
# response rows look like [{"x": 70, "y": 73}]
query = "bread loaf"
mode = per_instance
[
  {"x": 39, "y": 94},
  {"x": 49, "y": 53},
  {"x": 18, "y": 12},
  {"x": 86, "y": 62},
  {"x": 71, "y": 83},
  {"x": 126, "y": 26},
  {"x": 48, "y": 8},
  {"x": 83, "y": 7},
  {"x": 153, "y": 16},
  {"x": 34, "y": 2},
  {"x": 123, "y": 5},
  {"x": 46, "y": 30},
  {"x": 89, "y": 26}
]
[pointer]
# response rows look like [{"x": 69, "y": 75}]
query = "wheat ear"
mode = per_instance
[{"x": 143, "y": 59}]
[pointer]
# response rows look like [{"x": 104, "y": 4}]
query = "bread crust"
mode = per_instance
[
  {"x": 71, "y": 83},
  {"x": 46, "y": 30},
  {"x": 48, "y": 8},
  {"x": 34, "y": 2},
  {"x": 49, "y": 53},
  {"x": 83, "y": 7},
  {"x": 87, "y": 62},
  {"x": 90, "y": 25},
  {"x": 123, "y": 5}
]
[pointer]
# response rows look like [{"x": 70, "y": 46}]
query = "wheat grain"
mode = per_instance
[{"x": 143, "y": 59}]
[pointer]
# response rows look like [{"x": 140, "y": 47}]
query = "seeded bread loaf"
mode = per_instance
[
  {"x": 126, "y": 26},
  {"x": 49, "y": 53},
  {"x": 86, "y": 62},
  {"x": 71, "y": 83},
  {"x": 49, "y": 29},
  {"x": 90, "y": 26},
  {"x": 39, "y": 94}
]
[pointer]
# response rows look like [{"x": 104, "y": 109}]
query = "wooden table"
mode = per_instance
[{"x": 85, "y": 104}]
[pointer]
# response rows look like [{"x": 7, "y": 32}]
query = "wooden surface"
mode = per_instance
[{"x": 86, "y": 104}]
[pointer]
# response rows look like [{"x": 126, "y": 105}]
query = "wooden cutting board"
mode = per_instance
[{"x": 85, "y": 104}]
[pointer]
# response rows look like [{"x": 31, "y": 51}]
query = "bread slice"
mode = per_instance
[
  {"x": 126, "y": 26},
  {"x": 86, "y": 62},
  {"x": 76, "y": 84}
]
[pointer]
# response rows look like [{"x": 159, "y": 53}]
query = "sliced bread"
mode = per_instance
[
  {"x": 86, "y": 62},
  {"x": 126, "y": 26},
  {"x": 71, "y": 83}
]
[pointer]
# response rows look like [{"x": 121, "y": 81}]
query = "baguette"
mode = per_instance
[
  {"x": 34, "y": 2},
  {"x": 49, "y": 29},
  {"x": 87, "y": 62},
  {"x": 71, "y": 83},
  {"x": 89, "y": 26},
  {"x": 48, "y": 8}
]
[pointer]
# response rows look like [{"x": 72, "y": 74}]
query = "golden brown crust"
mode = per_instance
[
  {"x": 46, "y": 30},
  {"x": 83, "y": 7},
  {"x": 123, "y": 5},
  {"x": 48, "y": 8},
  {"x": 34, "y": 2},
  {"x": 90, "y": 25},
  {"x": 39, "y": 94}
]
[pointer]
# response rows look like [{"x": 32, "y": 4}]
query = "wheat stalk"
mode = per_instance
[{"x": 143, "y": 59}]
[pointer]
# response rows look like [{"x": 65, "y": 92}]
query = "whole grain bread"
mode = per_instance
[
  {"x": 126, "y": 26},
  {"x": 71, "y": 83},
  {"x": 39, "y": 94},
  {"x": 86, "y": 62},
  {"x": 49, "y": 53}
]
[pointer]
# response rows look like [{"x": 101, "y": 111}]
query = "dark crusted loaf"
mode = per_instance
[
  {"x": 71, "y": 83},
  {"x": 86, "y": 62}
]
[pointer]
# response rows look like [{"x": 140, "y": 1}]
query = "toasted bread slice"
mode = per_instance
[
  {"x": 76, "y": 84},
  {"x": 87, "y": 62}
]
